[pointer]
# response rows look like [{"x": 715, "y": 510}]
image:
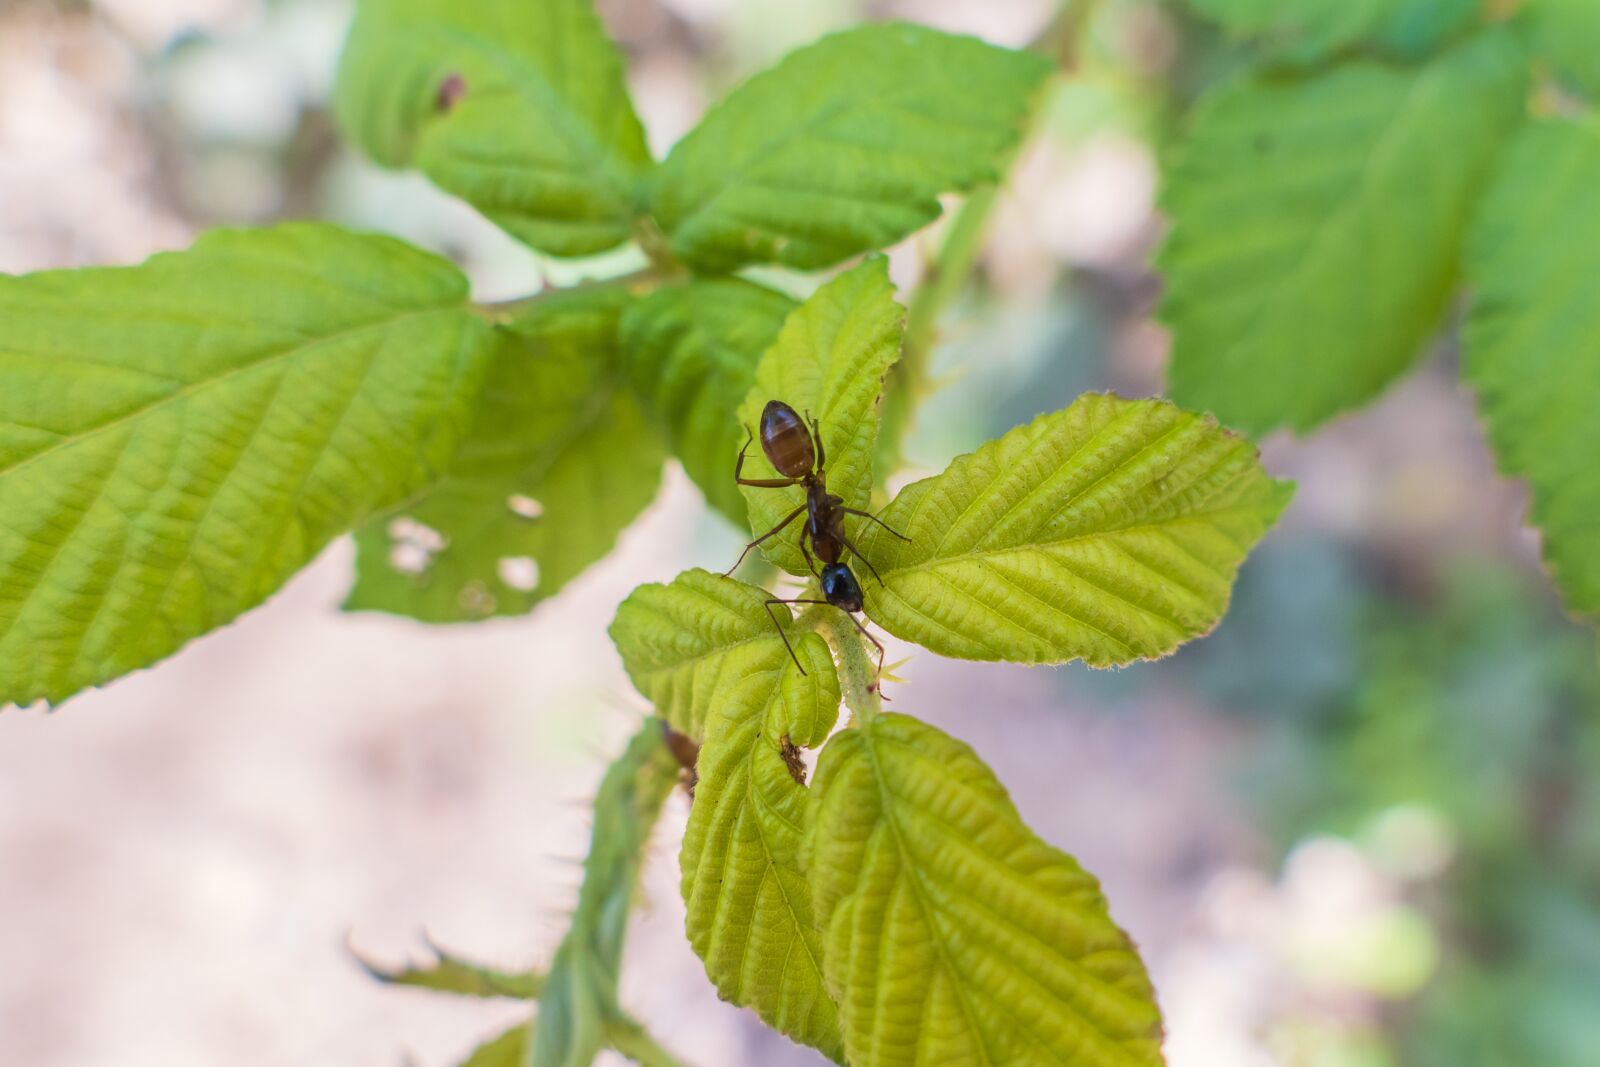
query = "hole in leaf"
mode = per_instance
[
  {"x": 524, "y": 506},
  {"x": 414, "y": 545},
  {"x": 520, "y": 573},
  {"x": 451, "y": 90}
]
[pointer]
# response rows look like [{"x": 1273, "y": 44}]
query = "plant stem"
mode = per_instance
[
  {"x": 857, "y": 668},
  {"x": 500, "y": 312},
  {"x": 632, "y": 1041}
]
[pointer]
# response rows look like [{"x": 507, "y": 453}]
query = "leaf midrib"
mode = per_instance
[{"x": 196, "y": 388}]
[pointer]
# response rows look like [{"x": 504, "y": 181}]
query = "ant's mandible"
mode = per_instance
[{"x": 795, "y": 451}]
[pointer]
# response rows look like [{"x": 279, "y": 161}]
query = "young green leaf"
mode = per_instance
[
  {"x": 1310, "y": 29},
  {"x": 178, "y": 438},
  {"x": 559, "y": 460},
  {"x": 579, "y": 1002},
  {"x": 691, "y": 353},
  {"x": 1531, "y": 339},
  {"x": 702, "y": 641},
  {"x": 1317, "y": 225},
  {"x": 518, "y": 108},
  {"x": 828, "y": 363},
  {"x": 1567, "y": 32},
  {"x": 843, "y": 147},
  {"x": 452, "y": 974},
  {"x": 952, "y": 934},
  {"x": 1108, "y": 532},
  {"x": 749, "y": 905}
]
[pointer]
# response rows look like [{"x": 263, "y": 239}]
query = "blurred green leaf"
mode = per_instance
[
  {"x": 843, "y": 147},
  {"x": 507, "y": 1050},
  {"x": 828, "y": 363},
  {"x": 559, "y": 460},
  {"x": 178, "y": 438},
  {"x": 1533, "y": 339},
  {"x": 1317, "y": 224},
  {"x": 749, "y": 905},
  {"x": 699, "y": 642},
  {"x": 1310, "y": 29},
  {"x": 691, "y": 352},
  {"x": 1567, "y": 33},
  {"x": 518, "y": 108},
  {"x": 1108, "y": 532},
  {"x": 952, "y": 934}
]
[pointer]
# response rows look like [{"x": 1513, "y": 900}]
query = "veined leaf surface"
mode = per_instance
[
  {"x": 691, "y": 353},
  {"x": 1108, "y": 532},
  {"x": 842, "y": 148},
  {"x": 1533, "y": 339},
  {"x": 1317, "y": 225},
  {"x": 952, "y": 934},
  {"x": 558, "y": 461},
  {"x": 828, "y": 362},
  {"x": 699, "y": 642},
  {"x": 1309, "y": 29},
  {"x": 178, "y": 438},
  {"x": 518, "y": 108},
  {"x": 749, "y": 905}
]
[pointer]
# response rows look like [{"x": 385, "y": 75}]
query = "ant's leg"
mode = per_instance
[
  {"x": 816, "y": 437},
  {"x": 779, "y": 625},
  {"x": 875, "y": 642},
  {"x": 862, "y": 558},
  {"x": 775, "y": 530},
  {"x": 880, "y": 522},
  {"x": 805, "y": 532},
  {"x": 759, "y": 483}
]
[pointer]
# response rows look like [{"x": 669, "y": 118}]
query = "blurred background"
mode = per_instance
[{"x": 1358, "y": 826}]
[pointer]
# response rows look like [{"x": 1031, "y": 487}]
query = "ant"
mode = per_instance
[{"x": 795, "y": 451}]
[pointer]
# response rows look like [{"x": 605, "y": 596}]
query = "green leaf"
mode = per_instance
[
  {"x": 1567, "y": 32},
  {"x": 518, "y": 108},
  {"x": 1108, "y": 532},
  {"x": 952, "y": 933},
  {"x": 701, "y": 641},
  {"x": 828, "y": 362},
  {"x": 749, "y": 905},
  {"x": 558, "y": 462},
  {"x": 507, "y": 1050},
  {"x": 842, "y": 148},
  {"x": 452, "y": 974},
  {"x": 1310, "y": 29},
  {"x": 178, "y": 438},
  {"x": 1317, "y": 226},
  {"x": 691, "y": 352},
  {"x": 579, "y": 1004},
  {"x": 1533, "y": 339}
]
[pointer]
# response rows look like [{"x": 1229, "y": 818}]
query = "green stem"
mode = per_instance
[{"x": 858, "y": 669}]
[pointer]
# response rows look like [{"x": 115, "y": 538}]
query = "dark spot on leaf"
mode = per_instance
[{"x": 451, "y": 90}]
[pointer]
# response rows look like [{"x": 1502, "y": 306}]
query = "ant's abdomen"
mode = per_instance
[{"x": 786, "y": 440}]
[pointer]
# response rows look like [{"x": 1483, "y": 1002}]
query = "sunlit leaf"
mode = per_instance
[
  {"x": 952, "y": 934},
  {"x": 701, "y": 641},
  {"x": 1317, "y": 225},
  {"x": 178, "y": 438},
  {"x": 828, "y": 363},
  {"x": 559, "y": 460},
  {"x": 518, "y": 108},
  {"x": 1108, "y": 532},
  {"x": 749, "y": 906},
  {"x": 1533, "y": 339},
  {"x": 691, "y": 352},
  {"x": 843, "y": 147},
  {"x": 507, "y": 1050}
]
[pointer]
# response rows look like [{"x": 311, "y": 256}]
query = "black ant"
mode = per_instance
[{"x": 795, "y": 451}]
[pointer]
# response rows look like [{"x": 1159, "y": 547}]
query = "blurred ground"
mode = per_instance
[{"x": 1353, "y": 827}]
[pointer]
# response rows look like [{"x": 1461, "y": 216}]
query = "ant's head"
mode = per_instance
[{"x": 841, "y": 587}]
